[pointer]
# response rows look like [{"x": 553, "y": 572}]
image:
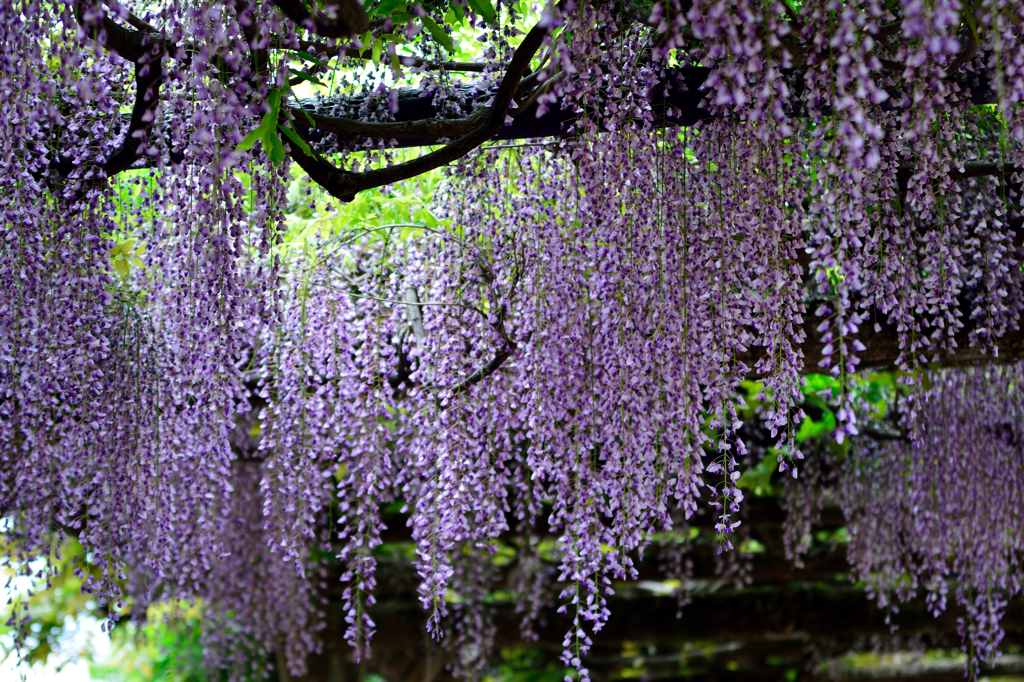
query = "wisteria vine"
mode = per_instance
[{"x": 219, "y": 417}]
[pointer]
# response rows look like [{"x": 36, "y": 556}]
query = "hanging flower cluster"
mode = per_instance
[
  {"x": 947, "y": 507},
  {"x": 213, "y": 415}
]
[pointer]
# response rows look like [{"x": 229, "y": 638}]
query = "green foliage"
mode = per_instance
[
  {"x": 821, "y": 394},
  {"x": 439, "y": 34},
  {"x": 125, "y": 256},
  {"x": 316, "y": 222},
  {"x": 167, "y": 647},
  {"x": 525, "y": 664},
  {"x": 54, "y": 605},
  {"x": 266, "y": 132},
  {"x": 758, "y": 478},
  {"x": 164, "y": 647},
  {"x": 484, "y": 8}
]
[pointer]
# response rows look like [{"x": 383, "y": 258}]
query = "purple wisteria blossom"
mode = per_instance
[{"x": 220, "y": 419}]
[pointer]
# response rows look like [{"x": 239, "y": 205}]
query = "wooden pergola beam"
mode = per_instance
[
  {"x": 883, "y": 349},
  {"x": 769, "y": 621}
]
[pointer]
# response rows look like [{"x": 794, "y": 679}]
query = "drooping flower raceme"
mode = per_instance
[{"x": 213, "y": 414}]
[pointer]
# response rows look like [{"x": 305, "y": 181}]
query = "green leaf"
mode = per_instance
[
  {"x": 758, "y": 479},
  {"x": 273, "y": 146},
  {"x": 298, "y": 141},
  {"x": 307, "y": 77},
  {"x": 375, "y": 53},
  {"x": 385, "y": 7},
  {"x": 484, "y": 8},
  {"x": 810, "y": 428},
  {"x": 308, "y": 57},
  {"x": 407, "y": 233},
  {"x": 439, "y": 34},
  {"x": 274, "y": 100},
  {"x": 817, "y": 383},
  {"x": 256, "y": 134},
  {"x": 267, "y": 125},
  {"x": 428, "y": 218}
]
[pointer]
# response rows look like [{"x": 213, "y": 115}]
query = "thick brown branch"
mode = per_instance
[
  {"x": 487, "y": 370},
  {"x": 124, "y": 42},
  {"x": 415, "y": 131},
  {"x": 345, "y": 184},
  {"x": 965, "y": 54},
  {"x": 348, "y": 20},
  {"x": 353, "y": 130},
  {"x": 148, "y": 79},
  {"x": 679, "y": 102},
  {"x": 978, "y": 169},
  {"x": 141, "y": 24},
  {"x": 145, "y": 49},
  {"x": 889, "y": 30}
]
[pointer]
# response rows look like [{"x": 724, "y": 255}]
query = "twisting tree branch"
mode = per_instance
[
  {"x": 487, "y": 370},
  {"x": 348, "y": 20},
  {"x": 967, "y": 17},
  {"x": 420, "y": 129},
  {"x": 145, "y": 48},
  {"x": 149, "y": 76},
  {"x": 124, "y": 42},
  {"x": 353, "y": 130},
  {"x": 486, "y": 122}
]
